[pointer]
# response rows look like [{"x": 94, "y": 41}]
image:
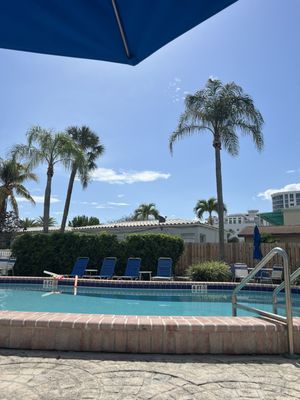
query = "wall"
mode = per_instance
[
  {"x": 189, "y": 233},
  {"x": 291, "y": 216}
]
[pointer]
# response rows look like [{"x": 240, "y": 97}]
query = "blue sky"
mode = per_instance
[{"x": 135, "y": 109}]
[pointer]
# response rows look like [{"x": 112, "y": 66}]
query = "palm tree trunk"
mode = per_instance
[
  {"x": 3, "y": 207},
  {"x": 68, "y": 199},
  {"x": 217, "y": 146},
  {"x": 47, "y": 198}
]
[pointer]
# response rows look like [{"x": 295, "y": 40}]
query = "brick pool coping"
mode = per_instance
[{"x": 142, "y": 334}]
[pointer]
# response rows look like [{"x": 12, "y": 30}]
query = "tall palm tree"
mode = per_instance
[
  {"x": 90, "y": 145},
  {"x": 12, "y": 177},
  {"x": 223, "y": 111},
  {"x": 144, "y": 211},
  {"x": 46, "y": 146},
  {"x": 209, "y": 206}
]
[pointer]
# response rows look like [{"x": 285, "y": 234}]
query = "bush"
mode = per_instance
[
  {"x": 57, "y": 252},
  {"x": 149, "y": 247},
  {"x": 210, "y": 271}
]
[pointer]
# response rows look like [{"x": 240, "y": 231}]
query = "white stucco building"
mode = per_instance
[
  {"x": 287, "y": 199},
  {"x": 190, "y": 231},
  {"x": 234, "y": 223}
]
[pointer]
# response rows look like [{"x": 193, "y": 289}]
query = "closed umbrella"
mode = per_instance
[
  {"x": 122, "y": 31},
  {"x": 257, "y": 254}
]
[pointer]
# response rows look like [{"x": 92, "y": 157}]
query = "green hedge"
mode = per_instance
[
  {"x": 149, "y": 247},
  {"x": 57, "y": 252},
  {"x": 210, "y": 271}
]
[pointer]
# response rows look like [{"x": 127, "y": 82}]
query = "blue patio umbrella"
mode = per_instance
[
  {"x": 257, "y": 254},
  {"x": 122, "y": 31}
]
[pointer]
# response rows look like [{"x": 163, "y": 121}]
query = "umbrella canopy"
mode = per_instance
[
  {"x": 122, "y": 31},
  {"x": 257, "y": 254}
]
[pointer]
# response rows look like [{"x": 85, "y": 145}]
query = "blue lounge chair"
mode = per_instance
[
  {"x": 108, "y": 268},
  {"x": 164, "y": 269},
  {"x": 79, "y": 266},
  {"x": 132, "y": 270}
]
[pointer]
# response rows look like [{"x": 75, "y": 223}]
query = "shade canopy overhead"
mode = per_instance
[{"x": 122, "y": 31}]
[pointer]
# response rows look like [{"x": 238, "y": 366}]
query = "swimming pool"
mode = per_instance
[
  {"x": 127, "y": 301},
  {"x": 139, "y": 317}
]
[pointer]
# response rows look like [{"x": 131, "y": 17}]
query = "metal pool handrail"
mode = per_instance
[
  {"x": 278, "y": 289},
  {"x": 288, "y": 320}
]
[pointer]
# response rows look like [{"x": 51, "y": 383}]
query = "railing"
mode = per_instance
[
  {"x": 278, "y": 289},
  {"x": 289, "y": 318}
]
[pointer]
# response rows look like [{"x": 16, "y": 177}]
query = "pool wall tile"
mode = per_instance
[{"x": 177, "y": 335}]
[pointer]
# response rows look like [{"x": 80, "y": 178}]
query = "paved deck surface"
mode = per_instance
[{"x": 33, "y": 375}]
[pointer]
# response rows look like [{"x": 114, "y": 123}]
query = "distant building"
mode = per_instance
[
  {"x": 234, "y": 223},
  {"x": 287, "y": 199},
  {"x": 281, "y": 234}
]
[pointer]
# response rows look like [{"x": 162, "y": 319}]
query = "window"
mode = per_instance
[{"x": 202, "y": 238}]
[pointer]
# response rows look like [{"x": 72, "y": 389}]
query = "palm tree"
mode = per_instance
[
  {"x": 90, "y": 145},
  {"x": 45, "y": 146},
  {"x": 83, "y": 220},
  {"x": 28, "y": 223},
  {"x": 12, "y": 177},
  {"x": 40, "y": 221},
  {"x": 223, "y": 111},
  {"x": 144, "y": 211},
  {"x": 209, "y": 206}
]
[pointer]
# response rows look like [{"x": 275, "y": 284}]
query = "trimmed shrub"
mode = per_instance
[
  {"x": 210, "y": 271},
  {"x": 57, "y": 252}
]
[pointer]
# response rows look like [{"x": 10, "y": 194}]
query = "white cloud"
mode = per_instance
[
  {"x": 103, "y": 206},
  {"x": 120, "y": 195},
  {"x": 111, "y": 203},
  {"x": 266, "y": 195},
  {"x": 38, "y": 199},
  {"x": 290, "y": 171},
  {"x": 122, "y": 177},
  {"x": 58, "y": 212}
]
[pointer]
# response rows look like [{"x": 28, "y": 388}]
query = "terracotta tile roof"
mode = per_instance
[
  {"x": 130, "y": 224},
  {"x": 272, "y": 230},
  {"x": 143, "y": 224}
]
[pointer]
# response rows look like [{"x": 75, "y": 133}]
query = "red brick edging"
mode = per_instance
[{"x": 141, "y": 334}]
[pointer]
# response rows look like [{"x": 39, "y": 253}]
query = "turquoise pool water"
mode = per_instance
[{"x": 131, "y": 301}]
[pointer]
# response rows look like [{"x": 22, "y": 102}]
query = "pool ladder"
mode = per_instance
[
  {"x": 278, "y": 289},
  {"x": 288, "y": 319}
]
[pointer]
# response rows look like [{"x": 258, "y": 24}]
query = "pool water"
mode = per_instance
[{"x": 133, "y": 301}]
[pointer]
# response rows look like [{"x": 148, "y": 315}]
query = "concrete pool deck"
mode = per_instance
[{"x": 36, "y": 375}]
